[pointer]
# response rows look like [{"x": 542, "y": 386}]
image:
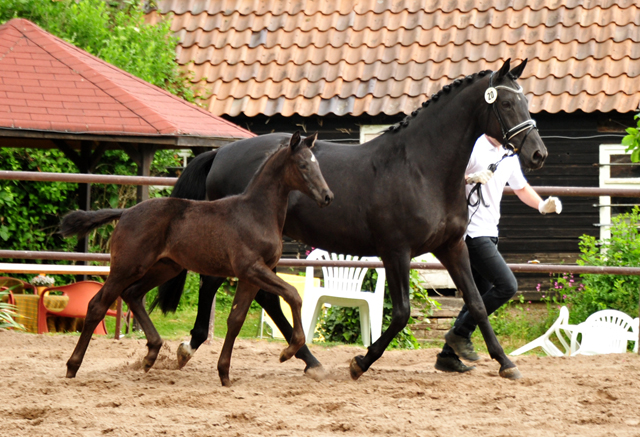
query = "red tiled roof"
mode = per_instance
[
  {"x": 47, "y": 84},
  {"x": 386, "y": 56}
]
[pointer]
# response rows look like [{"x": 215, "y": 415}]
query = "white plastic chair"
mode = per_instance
[
  {"x": 604, "y": 332},
  {"x": 343, "y": 287},
  {"x": 560, "y": 328}
]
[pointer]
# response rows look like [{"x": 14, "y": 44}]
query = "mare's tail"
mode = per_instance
[
  {"x": 191, "y": 185},
  {"x": 80, "y": 223}
]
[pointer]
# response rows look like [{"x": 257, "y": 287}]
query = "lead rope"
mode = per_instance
[{"x": 478, "y": 190}]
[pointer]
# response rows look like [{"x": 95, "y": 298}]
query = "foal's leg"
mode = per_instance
[
  {"x": 271, "y": 304},
  {"x": 241, "y": 303},
  {"x": 456, "y": 260},
  {"x": 267, "y": 280},
  {"x": 200, "y": 332},
  {"x": 162, "y": 271},
  {"x": 96, "y": 311},
  {"x": 397, "y": 269}
]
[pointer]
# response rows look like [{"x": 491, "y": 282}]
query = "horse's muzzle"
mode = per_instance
[{"x": 325, "y": 198}]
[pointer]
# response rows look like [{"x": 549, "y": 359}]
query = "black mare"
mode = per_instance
[{"x": 397, "y": 196}]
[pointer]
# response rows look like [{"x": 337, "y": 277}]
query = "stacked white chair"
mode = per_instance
[
  {"x": 343, "y": 287},
  {"x": 605, "y": 332}
]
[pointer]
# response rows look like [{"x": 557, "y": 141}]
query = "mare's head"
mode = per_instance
[
  {"x": 304, "y": 173},
  {"x": 509, "y": 120}
]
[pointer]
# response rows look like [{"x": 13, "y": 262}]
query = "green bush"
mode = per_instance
[{"x": 619, "y": 292}]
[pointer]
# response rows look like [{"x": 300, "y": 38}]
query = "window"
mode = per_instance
[{"x": 616, "y": 171}]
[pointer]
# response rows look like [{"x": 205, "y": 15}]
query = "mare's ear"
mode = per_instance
[
  {"x": 295, "y": 140},
  {"x": 517, "y": 71},
  {"x": 504, "y": 69},
  {"x": 310, "y": 141}
]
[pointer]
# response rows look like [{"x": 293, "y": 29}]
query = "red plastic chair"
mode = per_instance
[
  {"x": 17, "y": 285},
  {"x": 79, "y": 294},
  {"x": 10, "y": 299}
]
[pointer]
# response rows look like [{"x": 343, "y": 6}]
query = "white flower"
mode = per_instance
[{"x": 43, "y": 280}]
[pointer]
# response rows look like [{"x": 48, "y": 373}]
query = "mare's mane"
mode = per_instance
[
  {"x": 434, "y": 98},
  {"x": 268, "y": 157}
]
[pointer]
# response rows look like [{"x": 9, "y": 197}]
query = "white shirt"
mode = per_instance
[{"x": 483, "y": 220}]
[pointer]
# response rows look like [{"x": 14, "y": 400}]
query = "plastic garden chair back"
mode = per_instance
[{"x": 343, "y": 287}]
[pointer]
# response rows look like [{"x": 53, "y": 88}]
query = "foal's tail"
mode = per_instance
[
  {"x": 80, "y": 223},
  {"x": 190, "y": 185}
]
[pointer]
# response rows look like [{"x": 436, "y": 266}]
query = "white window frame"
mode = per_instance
[
  {"x": 606, "y": 181},
  {"x": 370, "y": 131}
]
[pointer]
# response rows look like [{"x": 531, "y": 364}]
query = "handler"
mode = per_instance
[{"x": 494, "y": 279}]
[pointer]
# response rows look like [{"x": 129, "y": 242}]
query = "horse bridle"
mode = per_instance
[{"x": 527, "y": 126}]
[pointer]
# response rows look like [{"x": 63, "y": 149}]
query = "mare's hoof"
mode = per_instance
[
  {"x": 316, "y": 373},
  {"x": 354, "y": 368},
  {"x": 511, "y": 373},
  {"x": 226, "y": 382},
  {"x": 185, "y": 352}
]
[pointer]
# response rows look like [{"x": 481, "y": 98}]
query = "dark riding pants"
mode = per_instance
[{"x": 494, "y": 280}]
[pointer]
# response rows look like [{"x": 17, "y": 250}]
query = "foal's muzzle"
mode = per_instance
[{"x": 325, "y": 198}]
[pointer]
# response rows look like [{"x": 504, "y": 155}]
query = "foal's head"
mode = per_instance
[
  {"x": 303, "y": 172},
  {"x": 510, "y": 121}
]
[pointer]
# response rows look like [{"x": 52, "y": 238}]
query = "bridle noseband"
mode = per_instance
[{"x": 527, "y": 126}]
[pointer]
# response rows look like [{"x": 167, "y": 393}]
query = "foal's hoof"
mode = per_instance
[
  {"x": 147, "y": 365},
  {"x": 511, "y": 373},
  {"x": 226, "y": 382},
  {"x": 316, "y": 373},
  {"x": 355, "y": 369},
  {"x": 285, "y": 355},
  {"x": 71, "y": 371},
  {"x": 185, "y": 352}
]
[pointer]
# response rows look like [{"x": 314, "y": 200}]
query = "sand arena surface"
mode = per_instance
[{"x": 402, "y": 395}]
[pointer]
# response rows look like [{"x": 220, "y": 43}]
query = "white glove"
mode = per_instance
[
  {"x": 479, "y": 177},
  {"x": 552, "y": 204}
]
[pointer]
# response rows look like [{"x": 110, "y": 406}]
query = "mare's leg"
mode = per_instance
[
  {"x": 241, "y": 303},
  {"x": 271, "y": 304},
  {"x": 456, "y": 260},
  {"x": 200, "y": 332},
  {"x": 161, "y": 272},
  {"x": 397, "y": 269},
  {"x": 96, "y": 311}
]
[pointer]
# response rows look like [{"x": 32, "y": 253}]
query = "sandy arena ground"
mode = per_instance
[{"x": 402, "y": 395}]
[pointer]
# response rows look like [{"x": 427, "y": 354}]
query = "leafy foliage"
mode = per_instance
[
  {"x": 632, "y": 140},
  {"x": 609, "y": 291},
  {"x": 7, "y": 311}
]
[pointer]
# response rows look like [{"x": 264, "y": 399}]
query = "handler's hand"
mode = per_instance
[
  {"x": 479, "y": 177},
  {"x": 552, "y": 204}
]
